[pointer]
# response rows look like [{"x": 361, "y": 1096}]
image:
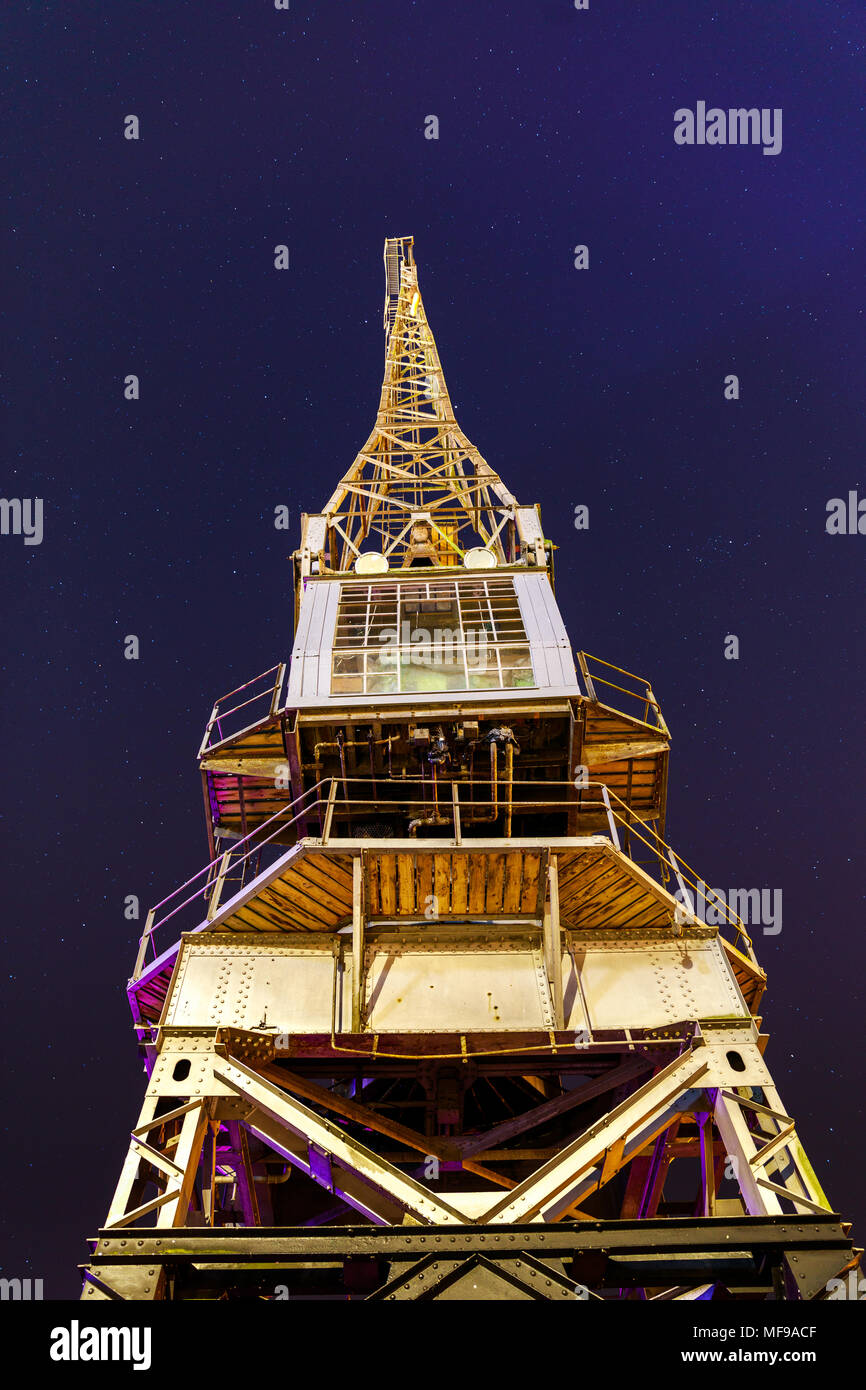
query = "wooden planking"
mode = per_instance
[
  {"x": 495, "y": 883},
  {"x": 602, "y": 722},
  {"x": 317, "y": 898},
  {"x": 261, "y": 741},
  {"x": 460, "y": 884},
  {"x": 594, "y": 907},
  {"x": 261, "y": 915},
  {"x": 577, "y": 888},
  {"x": 406, "y": 883},
  {"x": 297, "y": 910},
  {"x": 622, "y": 907},
  {"x": 647, "y": 914},
  {"x": 596, "y": 888},
  {"x": 425, "y": 881},
  {"x": 478, "y": 884},
  {"x": 442, "y": 883},
  {"x": 529, "y": 893},
  {"x": 374, "y": 897},
  {"x": 388, "y": 883},
  {"x": 338, "y": 870},
  {"x": 513, "y": 882},
  {"x": 611, "y": 898},
  {"x": 477, "y": 880},
  {"x": 308, "y": 883}
]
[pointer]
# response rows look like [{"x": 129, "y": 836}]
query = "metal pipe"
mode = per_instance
[
  {"x": 356, "y": 743},
  {"x": 434, "y": 818},
  {"x": 371, "y": 743},
  {"x": 345, "y": 783},
  {"x": 372, "y": 764},
  {"x": 493, "y": 813}
]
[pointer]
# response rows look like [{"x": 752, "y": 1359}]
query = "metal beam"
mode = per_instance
[
  {"x": 349, "y": 1153},
  {"x": 583, "y": 1165}
]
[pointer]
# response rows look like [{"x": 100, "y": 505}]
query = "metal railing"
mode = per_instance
[
  {"x": 640, "y": 693},
  {"x": 207, "y": 886},
  {"x": 266, "y": 698},
  {"x": 330, "y": 800}
]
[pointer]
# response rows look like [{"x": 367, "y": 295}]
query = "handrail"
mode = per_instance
[
  {"x": 315, "y": 802},
  {"x": 271, "y": 693},
  {"x": 256, "y": 843},
  {"x": 246, "y": 685},
  {"x": 611, "y": 667},
  {"x": 646, "y": 697}
]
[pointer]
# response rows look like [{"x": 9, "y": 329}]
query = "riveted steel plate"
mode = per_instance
[
  {"x": 736, "y": 1062},
  {"x": 421, "y": 991},
  {"x": 285, "y": 989},
  {"x": 184, "y": 1068},
  {"x": 645, "y": 983}
]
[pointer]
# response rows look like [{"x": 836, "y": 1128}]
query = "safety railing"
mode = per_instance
[
  {"x": 640, "y": 702},
  {"x": 261, "y": 698},
  {"x": 198, "y": 899},
  {"x": 330, "y": 802}
]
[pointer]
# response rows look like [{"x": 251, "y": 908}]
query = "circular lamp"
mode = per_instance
[
  {"x": 480, "y": 558},
  {"x": 371, "y": 563}
]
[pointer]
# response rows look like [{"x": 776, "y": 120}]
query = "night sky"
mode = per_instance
[{"x": 602, "y": 387}]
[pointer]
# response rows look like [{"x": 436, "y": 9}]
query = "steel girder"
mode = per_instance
[
  {"x": 777, "y": 1256},
  {"x": 770, "y": 1167}
]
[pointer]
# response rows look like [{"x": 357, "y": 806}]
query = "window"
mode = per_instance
[{"x": 417, "y": 636}]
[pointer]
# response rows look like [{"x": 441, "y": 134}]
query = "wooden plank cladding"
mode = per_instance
[
  {"x": 598, "y": 888},
  {"x": 445, "y": 883},
  {"x": 313, "y": 894}
]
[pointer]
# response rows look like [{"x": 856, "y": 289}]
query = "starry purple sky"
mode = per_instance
[{"x": 602, "y": 387}]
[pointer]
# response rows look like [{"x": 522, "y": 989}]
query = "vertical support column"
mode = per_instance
[
  {"x": 208, "y": 816},
  {"x": 291, "y": 748},
  {"x": 658, "y": 1170},
  {"x": 708, "y": 1167},
  {"x": 357, "y": 940},
  {"x": 553, "y": 942},
  {"x": 329, "y": 812},
  {"x": 740, "y": 1147},
  {"x": 611, "y": 821},
  {"x": 208, "y": 1172},
  {"x": 217, "y": 890},
  {"x": 195, "y": 1122},
  {"x": 244, "y": 1173}
]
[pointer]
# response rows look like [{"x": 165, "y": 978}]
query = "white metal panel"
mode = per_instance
[
  {"x": 573, "y": 1011},
  {"x": 647, "y": 984},
  {"x": 551, "y": 652},
  {"x": 296, "y": 663},
  {"x": 310, "y": 670},
  {"x": 456, "y": 991},
  {"x": 325, "y": 643},
  {"x": 283, "y": 989}
]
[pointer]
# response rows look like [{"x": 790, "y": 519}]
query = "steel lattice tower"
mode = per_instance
[{"x": 444, "y": 1016}]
